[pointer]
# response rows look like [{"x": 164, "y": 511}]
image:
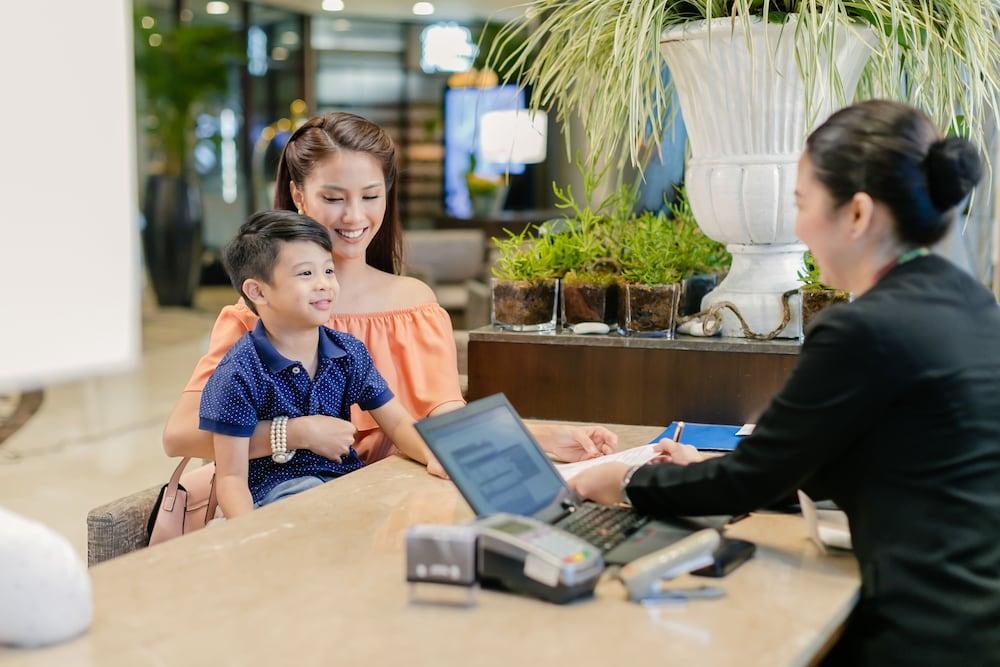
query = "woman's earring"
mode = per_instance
[{"x": 300, "y": 212}]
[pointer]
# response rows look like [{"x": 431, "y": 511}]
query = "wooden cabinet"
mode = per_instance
[{"x": 614, "y": 379}]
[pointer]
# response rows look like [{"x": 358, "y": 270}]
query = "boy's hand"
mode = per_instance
[{"x": 327, "y": 436}]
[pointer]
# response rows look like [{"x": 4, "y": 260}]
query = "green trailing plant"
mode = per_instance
[
  {"x": 186, "y": 66},
  {"x": 809, "y": 274},
  {"x": 601, "y": 59}
]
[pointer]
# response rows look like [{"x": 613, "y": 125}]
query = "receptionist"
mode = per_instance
[{"x": 893, "y": 410}]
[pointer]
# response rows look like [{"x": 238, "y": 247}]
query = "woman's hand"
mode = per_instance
[
  {"x": 329, "y": 437},
  {"x": 574, "y": 443},
  {"x": 435, "y": 468},
  {"x": 602, "y": 484},
  {"x": 669, "y": 451}
]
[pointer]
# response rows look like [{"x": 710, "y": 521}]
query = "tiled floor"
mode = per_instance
[{"x": 98, "y": 439}]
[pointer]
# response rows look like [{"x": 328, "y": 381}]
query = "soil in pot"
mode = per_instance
[
  {"x": 584, "y": 302},
  {"x": 648, "y": 309},
  {"x": 815, "y": 300},
  {"x": 524, "y": 303}
]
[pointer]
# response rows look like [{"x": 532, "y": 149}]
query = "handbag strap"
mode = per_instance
[
  {"x": 170, "y": 493},
  {"x": 212, "y": 502}
]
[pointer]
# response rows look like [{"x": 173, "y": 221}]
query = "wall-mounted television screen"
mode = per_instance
[{"x": 463, "y": 108}]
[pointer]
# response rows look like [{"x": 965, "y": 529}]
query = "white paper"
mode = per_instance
[
  {"x": 634, "y": 456},
  {"x": 827, "y": 528}
]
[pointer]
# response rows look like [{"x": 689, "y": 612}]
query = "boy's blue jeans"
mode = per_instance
[{"x": 290, "y": 488}]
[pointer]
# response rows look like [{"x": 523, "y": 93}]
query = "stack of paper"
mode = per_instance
[{"x": 634, "y": 456}]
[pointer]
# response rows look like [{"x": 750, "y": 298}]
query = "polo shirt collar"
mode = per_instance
[{"x": 276, "y": 362}]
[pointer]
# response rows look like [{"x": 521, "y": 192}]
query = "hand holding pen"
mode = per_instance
[{"x": 672, "y": 451}]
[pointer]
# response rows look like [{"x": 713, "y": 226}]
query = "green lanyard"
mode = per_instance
[
  {"x": 907, "y": 256},
  {"x": 911, "y": 255}
]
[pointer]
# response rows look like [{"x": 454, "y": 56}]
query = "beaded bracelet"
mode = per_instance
[{"x": 279, "y": 440}]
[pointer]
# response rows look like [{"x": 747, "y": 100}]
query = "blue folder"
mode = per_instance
[{"x": 711, "y": 437}]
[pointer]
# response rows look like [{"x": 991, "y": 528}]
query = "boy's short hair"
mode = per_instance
[{"x": 254, "y": 251}]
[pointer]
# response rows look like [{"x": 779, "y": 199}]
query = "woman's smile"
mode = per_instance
[{"x": 351, "y": 234}]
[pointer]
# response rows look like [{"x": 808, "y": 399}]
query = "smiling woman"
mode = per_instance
[{"x": 341, "y": 170}]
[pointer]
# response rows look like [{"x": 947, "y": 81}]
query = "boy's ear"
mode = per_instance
[{"x": 252, "y": 289}]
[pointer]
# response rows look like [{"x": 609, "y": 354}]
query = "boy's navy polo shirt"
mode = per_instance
[{"x": 255, "y": 383}]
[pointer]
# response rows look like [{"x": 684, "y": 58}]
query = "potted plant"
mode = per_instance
[
  {"x": 750, "y": 85},
  {"x": 815, "y": 295},
  {"x": 524, "y": 285},
  {"x": 583, "y": 252},
  {"x": 701, "y": 261},
  {"x": 177, "y": 70},
  {"x": 486, "y": 193},
  {"x": 650, "y": 280}
]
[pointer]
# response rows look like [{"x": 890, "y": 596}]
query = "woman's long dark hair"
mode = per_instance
[
  {"x": 322, "y": 136},
  {"x": 894, "y": 153}
]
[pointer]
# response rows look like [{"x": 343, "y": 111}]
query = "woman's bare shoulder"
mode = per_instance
[
  {"x": 397, "y": 292},
  {"x": 411, "y": 292}
]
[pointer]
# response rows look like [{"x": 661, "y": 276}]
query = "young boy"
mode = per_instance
[{"x": 290, "y": 366}]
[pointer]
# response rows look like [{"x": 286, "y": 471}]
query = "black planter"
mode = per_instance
[
  {"x": 695, "y": 289},
  {"x": 172, "y": 238}
]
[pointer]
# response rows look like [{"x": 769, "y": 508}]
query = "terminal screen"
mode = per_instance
[{"x": 496, "y": 464}]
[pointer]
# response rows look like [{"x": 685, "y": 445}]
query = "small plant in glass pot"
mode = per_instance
[
  {"x": 583, "y": 254},
  {"x": 815, "y": 295},
  {"x": 701, "y": 261},
  {"x": 589, "y": 296},
  {"x": 524, "y": 285},
  {"x": 650, "y": 279}
]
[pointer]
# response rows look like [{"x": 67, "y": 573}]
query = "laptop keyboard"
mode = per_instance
[{"x": 604, "y": 527}]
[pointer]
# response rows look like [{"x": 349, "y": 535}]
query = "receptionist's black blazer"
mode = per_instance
[{"x": 893, "y": 411}]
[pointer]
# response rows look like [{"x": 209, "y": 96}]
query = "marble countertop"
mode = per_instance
[{"x": 695, "y": 343}]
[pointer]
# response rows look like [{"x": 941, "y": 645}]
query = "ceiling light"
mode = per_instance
[
  {"x": 423, "y": 8},
  {"x": 155, "y": 39},
  {"x": 279, "y": 53},
  {"x": 333, "y": 5},
  {"x": 148, "y": 22},
  {"x": 217, "y": 7}
]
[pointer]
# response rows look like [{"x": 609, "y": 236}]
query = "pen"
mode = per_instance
[{"x": 678, "y": 432}]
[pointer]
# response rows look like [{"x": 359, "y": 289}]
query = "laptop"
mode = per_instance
[{"x": 499, "y": 467}]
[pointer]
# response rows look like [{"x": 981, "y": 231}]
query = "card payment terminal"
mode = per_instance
[{"x": 524, "y": 555}]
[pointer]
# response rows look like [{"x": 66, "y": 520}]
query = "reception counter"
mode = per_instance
[{"x": 318, "y": 579}]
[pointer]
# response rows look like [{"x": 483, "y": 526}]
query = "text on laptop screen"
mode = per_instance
[{"x": 496, "y": 464}]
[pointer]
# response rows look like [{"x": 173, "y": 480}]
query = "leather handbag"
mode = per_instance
[{"x": 186, "y": 503}]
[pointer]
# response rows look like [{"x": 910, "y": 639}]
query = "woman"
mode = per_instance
[
  {"x": 893, "y": 410},
  {"x": 341, "y": 170}
]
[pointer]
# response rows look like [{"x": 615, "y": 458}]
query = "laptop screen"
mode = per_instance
[{"x": 492, "y": 458}]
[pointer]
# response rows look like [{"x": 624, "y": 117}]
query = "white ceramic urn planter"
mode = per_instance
[{"x": 745, "y": 113}]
